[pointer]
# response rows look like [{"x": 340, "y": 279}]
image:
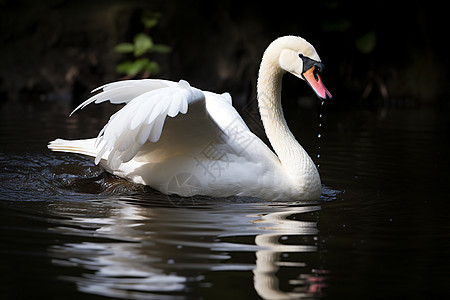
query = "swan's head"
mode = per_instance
[{"x": 298, "y": 57}]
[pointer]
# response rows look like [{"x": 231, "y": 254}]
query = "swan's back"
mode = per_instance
[{"x": 167, "y": 130}]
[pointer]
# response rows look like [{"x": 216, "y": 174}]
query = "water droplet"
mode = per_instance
[{"x": 319, "y": 135}]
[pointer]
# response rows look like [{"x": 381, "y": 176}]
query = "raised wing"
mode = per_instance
[
  {"x": 124, "y": 91},
  {"x": 142, "y": 118}
]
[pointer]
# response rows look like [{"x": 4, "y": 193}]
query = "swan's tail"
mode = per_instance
[{"x": 86, "y": 147}]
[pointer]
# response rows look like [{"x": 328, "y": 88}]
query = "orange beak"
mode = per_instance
[{"x": 315, "y": 82}]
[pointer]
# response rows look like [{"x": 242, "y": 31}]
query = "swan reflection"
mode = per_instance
[
  {"x": 269, "y": 259},
  {"x": 124, "y": 248}
]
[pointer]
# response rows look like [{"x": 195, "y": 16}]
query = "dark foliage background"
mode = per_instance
[{"x": 376, "y": 53}]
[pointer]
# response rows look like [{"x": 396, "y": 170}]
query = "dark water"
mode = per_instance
[{"x": 380, "y": 231}]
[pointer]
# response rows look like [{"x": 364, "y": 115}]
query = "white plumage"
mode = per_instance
[{"x": 181, "y": 140}]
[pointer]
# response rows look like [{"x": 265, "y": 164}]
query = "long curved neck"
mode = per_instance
[{"x": 294, "y": 159}]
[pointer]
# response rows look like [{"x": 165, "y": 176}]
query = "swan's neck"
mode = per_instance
[{"x": 294, "y": 159}]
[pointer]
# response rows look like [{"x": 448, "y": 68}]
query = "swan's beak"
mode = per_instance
[{"x": 315, "y": 82}]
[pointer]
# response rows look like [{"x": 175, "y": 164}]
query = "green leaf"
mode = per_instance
[
  {"x": 150, "y": 19},
  {"x": 149, "y": 22},
  {"x": 142, "y": 44},
  {"x": 152, "y": 67},
  {"x": 123, "y": 67},
  {"x": 161, "y": 48},
  {"x": 124, "y": 48},
  {"x": 366, "y": 43},
  {"x": 132, "y": 68}
]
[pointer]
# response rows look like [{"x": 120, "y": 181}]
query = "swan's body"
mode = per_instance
[{"x": 180, "y": 140}]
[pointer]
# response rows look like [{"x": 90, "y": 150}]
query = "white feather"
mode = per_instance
[{"x": 169, "y": 129}]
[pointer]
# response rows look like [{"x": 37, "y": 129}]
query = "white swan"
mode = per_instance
[{"x": 180, "y": 140}]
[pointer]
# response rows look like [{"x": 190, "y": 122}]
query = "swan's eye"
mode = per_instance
[{"x": 308, "y": 63}]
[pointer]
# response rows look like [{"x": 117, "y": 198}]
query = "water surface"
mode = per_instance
[{"x": 380, "y": 230}]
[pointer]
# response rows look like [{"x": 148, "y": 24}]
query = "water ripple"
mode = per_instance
[
  {"x": 116, "y": 239},
  {"x": 137, "y": 248}
]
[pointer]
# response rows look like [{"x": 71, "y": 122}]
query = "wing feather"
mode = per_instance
[
  {"x": 144, "y": 133},
  {"x": 124, "y": 91},
  {"x": 155, "y": 133},
  {"x": 148, "y": 104}
]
